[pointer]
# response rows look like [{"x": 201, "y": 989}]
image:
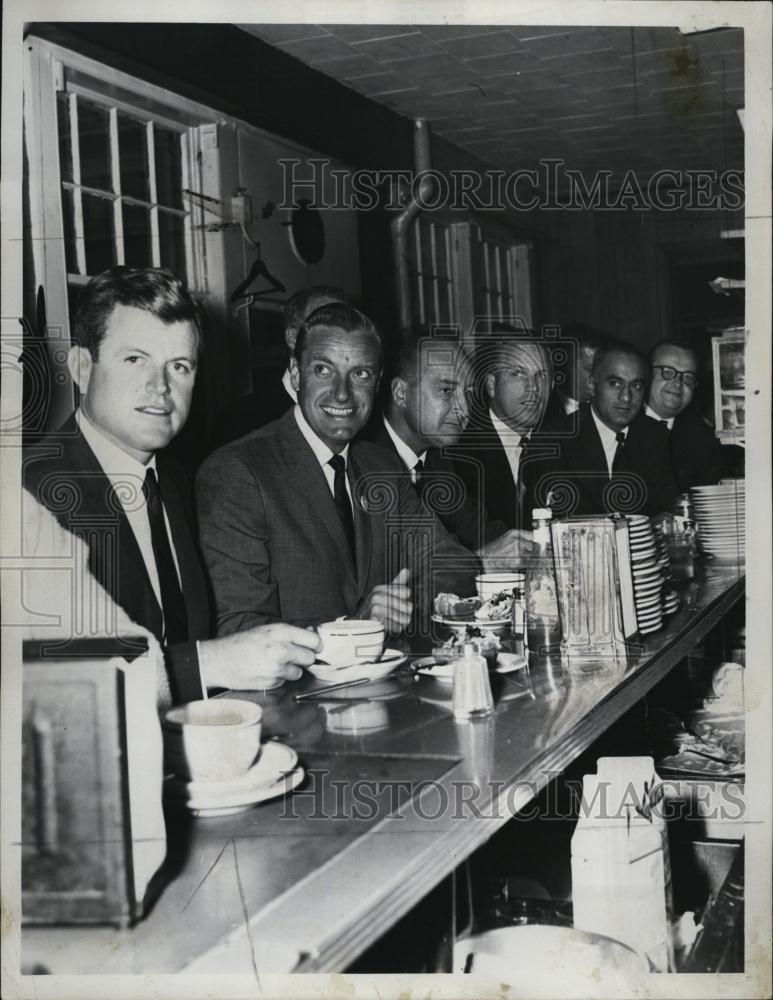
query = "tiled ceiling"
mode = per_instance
[{"x": 613, "y": 98}]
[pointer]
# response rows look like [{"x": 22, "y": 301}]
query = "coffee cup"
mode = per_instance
[
  {"x": 350, "y": 642},
  {"x": 488, "y": 584},
  {"x": 214, "y": 739}
]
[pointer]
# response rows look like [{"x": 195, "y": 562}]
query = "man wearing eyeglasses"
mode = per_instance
[{"x": 696, "y": 454}]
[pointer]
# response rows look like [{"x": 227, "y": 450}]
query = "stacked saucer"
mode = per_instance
[
  {"x": 719, "y": 511},
  {"x": 647, "y": 573},
  {"x": 670, "y": 601}
]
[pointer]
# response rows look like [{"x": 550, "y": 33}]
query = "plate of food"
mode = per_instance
[{"x": 457, "y": 613}]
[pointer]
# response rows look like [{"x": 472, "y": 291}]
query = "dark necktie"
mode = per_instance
[
  {"x": 172, "y": 602},
  {"x": 665, "y": 423},
  {"x": 620, "y": 438},
  {"x": 342, "y": 502},
  {"x": 419, "y": 481}
]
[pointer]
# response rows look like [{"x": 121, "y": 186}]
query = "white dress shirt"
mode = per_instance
[
  {"x": 656, "y": 416},
  {"x": 406, "y": 453},
  {"x": 570, "y": 405},
  {"x": 322, "y": 453},
  {"x": 511, "y": 442},
  {"x": 608, "y": 440},
  {"x": 127, "y": 476}
]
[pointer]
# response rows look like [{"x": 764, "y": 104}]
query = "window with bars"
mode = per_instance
[
  {"x": 495, "y": 284},
  {"x": 462, "y": 272},
  {"x": 432, "y": 264},
  {"x": 122, "y": 178}
]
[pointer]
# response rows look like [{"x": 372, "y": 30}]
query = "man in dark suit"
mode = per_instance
[
  {"x": 614, "y": 461},
  {"x": 695, "y": 452},
  {"x": 300, "y": 522},
  {"x": 578, "y": 344},
  {"x": 273, "y": 393},
  {"x": 513, "y": 378},
  {"x": 425, "y": 410},
  {"x": 136, "y": 343}
]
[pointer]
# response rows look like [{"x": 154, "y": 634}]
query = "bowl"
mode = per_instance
[
  {"x": 488, "y": 584},
  {"x": 213, "y": 739}
]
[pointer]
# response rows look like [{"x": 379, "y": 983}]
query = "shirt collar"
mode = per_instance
[
  {"x": 406, "y": 453},
  {"x": 114, "y": 460},
  {"x": 506, "y": 434},
  {"x": 606, "y": 433},
  {"x": 322, "y": 453},
  {"x": 570, "y": 404},
  {"x": 669, "y": 421},
  {"x": 286, "y": 382}
]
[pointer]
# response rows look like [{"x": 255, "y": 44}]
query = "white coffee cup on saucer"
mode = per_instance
[
  {"x": 213, "y": 739},
  {"x": 351, "y": 641},
  {"x": 488, "y": 584}
]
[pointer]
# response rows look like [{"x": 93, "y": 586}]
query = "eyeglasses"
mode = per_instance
[{"x": 669, "y": 373}]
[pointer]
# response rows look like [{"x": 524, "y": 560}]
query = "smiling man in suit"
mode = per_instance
[
  {"x": 695, "y": 453},
  {"x": 298, "y": 521},
  {"x": 614, "y": 459},
  {"x": 103, "y": 474}
]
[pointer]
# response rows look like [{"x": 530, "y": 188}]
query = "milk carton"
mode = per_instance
[{"x": 621, "y": 876}]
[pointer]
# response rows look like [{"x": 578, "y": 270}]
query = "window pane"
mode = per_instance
[
  {"x": 94, "y": 144},
  {"x": 65, "y": 139},
  {"x": 171, "y": 238},
  {"x": 99, "y": 233},
  {"x": 68, "y": 223},
  {"x": 133, "y": 157},
  {"x": 168, "y": 167},
  {"x": 136, "y": 236}
]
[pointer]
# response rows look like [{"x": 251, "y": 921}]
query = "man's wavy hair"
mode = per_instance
[
  {"x": 154, "y": 289},
  {"x": 339, "y": 316}
]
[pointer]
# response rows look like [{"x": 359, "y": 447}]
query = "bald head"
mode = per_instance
[{"x": 619, "y": 378}]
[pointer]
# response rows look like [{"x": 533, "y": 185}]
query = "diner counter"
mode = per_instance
[{"x": 308, "y": 882}]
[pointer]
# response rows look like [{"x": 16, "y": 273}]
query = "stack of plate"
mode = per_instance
[
  {"x": 719, "y": 511},
  {"x": 647, "y": 574},
  {"x": 670, "y": 603}
]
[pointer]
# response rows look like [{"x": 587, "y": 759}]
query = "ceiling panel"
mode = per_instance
[{"x": 644, "y": 98}]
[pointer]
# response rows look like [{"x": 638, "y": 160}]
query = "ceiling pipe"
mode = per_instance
[{"x": 401, "y": 223}]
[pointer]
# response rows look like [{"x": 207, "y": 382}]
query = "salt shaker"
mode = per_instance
[{"x": 472, "y": 688}]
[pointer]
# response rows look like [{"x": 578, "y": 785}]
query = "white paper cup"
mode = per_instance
[
  {"x": 214, "y": 739},
  {"x": 353, "y": 641},
  {"x": 488, "y": 584}
]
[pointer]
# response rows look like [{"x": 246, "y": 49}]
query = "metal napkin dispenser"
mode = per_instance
[
  {"x": 595, "y": 586},
  {"x": 93, "y": 834}
]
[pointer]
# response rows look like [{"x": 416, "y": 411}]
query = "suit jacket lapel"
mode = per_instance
[
  {"x": 123, "y": 575},
  {"x": 592, "y": 459},
  {"x": 310, "y": 480},
  {"x": 363, "y": 523},
  {"x": 191, "y": 577}
]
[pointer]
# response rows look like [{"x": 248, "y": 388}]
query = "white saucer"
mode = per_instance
[
  {"x": 460, "y": 624},
  {"x": 445, "y": 671},
  {"x": 373, "y": 670},
  {"x": 275, "y": 773}
]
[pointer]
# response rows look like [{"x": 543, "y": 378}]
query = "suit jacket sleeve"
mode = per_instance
[
  {"x": 661, "y": 484},
  {"x": 438, "y": 561},
  {"x": 234, "y": 540}
]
